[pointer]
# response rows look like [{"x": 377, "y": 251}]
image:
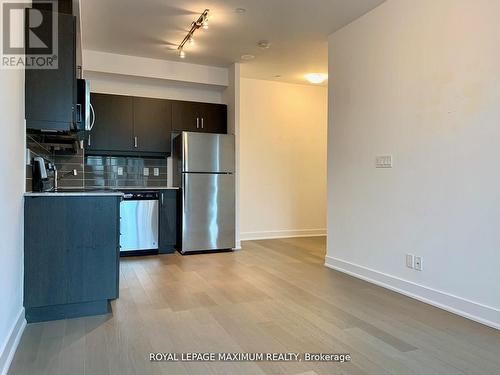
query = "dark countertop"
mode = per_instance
[
  {"x": 146, "y": 188},
  {"x": 94, "y": 191},
  {"x": 75, "y": 193}
]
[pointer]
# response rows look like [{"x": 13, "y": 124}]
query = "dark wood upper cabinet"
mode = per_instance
[
  {"x": 185, "y": 116},
  {"x": 129, "y": 125},
  {"x": 152, "y": 124},
  {"x": 199, "y": 117},
  {"x": 213, "y": 118},
  {"x": 51, "y": 93},
  {"x": 113, "y": 128}
]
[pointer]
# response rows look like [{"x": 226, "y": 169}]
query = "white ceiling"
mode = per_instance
[{"x": 296, "y": 29}]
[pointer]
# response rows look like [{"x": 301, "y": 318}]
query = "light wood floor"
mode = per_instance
[{"x": 274, "y": 296}]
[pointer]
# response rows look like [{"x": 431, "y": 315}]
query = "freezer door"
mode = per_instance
[
  {"x": 208, "y": 212},
  {"x": 209, "y": 153}
]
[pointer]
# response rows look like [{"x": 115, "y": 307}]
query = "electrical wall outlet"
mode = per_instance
[
  {"x": 28, "y": 156},
  {"x": 383, "y": 161},
  {"x": 156, "y": 171},
  {"x": 409, "y": 260},
  {"x": 120, "y": 171},
  {"x": 418, "y": 263},
  {"x": 146, "y": 171}
]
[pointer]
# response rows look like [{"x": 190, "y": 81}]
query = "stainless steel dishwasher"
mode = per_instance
[{"x": 139, "y": 223}]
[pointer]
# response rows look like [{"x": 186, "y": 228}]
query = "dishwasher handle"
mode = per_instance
[{"x": 141, "y": 196}]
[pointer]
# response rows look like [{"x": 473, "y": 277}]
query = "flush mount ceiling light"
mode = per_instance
[
  {"x": 316, "y": 78},
  {"x": 202, "y": 22}
]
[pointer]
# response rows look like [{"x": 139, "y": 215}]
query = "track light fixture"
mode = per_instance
[{"x": 202, "y": 21}]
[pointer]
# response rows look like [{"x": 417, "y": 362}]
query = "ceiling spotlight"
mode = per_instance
[
  {"x": 202, "y": 21},
  {"x": 316, "y": 78}
]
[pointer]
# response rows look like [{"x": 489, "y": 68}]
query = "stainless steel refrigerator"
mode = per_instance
[{"x": 203, "y": 167}]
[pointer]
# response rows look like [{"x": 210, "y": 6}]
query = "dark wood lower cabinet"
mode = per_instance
[
  {"x": 168, "y": 221},
  {"x": 71, "y": 256}
]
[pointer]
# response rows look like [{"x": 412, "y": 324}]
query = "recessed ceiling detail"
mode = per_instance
[
  {"x": 247, "y": 57},
  {"x": 265, "y": 44}
]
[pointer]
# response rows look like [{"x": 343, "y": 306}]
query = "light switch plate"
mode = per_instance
[
  {"x": 156, "y": 171},
  {"x": 146, "y": 171},
  {"x": 409, "y": 260},
  {"x": 120, "y": 171},
  {"x": 383, "y": 161}
]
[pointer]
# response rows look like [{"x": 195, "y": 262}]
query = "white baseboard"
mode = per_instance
[
  {"x": 478, "y": 312},
  {"x": 12, "y": 341},
  {"x": 265, "y": 235}
]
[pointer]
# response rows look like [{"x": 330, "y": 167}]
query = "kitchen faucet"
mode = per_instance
[{"x": 57, "y": 178}]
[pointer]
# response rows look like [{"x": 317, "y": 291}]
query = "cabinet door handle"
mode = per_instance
[
  {"x": 162, "y": 199},
  {"x": 78, "y": 113},
  {"x": 135, "y": 142},
  {"x": 197, "y": 122},
  {"x": 93, "y": 116},
  {"x": 88, "y": 142},
  {"x": 202, "y": 122}
]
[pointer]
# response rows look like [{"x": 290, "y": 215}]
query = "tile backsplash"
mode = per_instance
[
  {"x": 99, "y": 171},
  {"x": 66, "y": 163},
  {"x": 117, "y": 172}
]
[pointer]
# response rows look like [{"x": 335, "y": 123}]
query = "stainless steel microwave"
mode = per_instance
[{"x": 84, "y": 113}]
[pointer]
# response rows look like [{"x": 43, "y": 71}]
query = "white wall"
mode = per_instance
[
  {"x": 12, "y": 144},
  {"x": 231, "y": 97},
  {"x": 419, "y": 80},
  {"x": 153, "y": 68},
  {"x": 106, "y": 83},
  {"x": 283, "y": 159},
  {"x": 139, "y": 76}
]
